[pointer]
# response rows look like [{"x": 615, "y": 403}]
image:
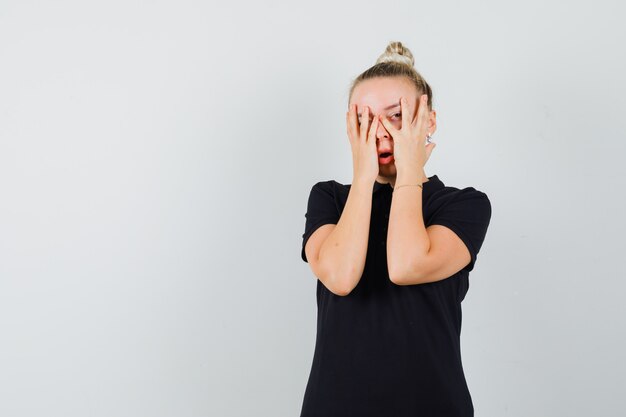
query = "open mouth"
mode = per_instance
[{"x": 385, "y": 158}]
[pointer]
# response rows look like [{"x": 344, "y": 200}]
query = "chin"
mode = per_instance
[
  {"x": 387, "y": 169},
  {"x": 387, "y": 174}
]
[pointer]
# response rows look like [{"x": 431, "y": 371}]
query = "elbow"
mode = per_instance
[
  {"x": 340, "y": 278},
  {"x": 340, "y": 286},
  {"x": 396, "y": 272},
  {"x": 404, "y": 276},
  {"x": 395, "y": 277},
  {"x": 342, "y": 282},
  {"x": 336, "y": 287},
  {"x": 341, "y": 292}
]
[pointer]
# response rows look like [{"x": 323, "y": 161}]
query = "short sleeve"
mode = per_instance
[
  {"x": 321, "y": 210},
  {"x": 468, "y": 215}
]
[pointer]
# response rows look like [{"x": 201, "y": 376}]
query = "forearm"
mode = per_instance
[
  {"x": 407, "y": 240},
  {"x": 345, "y": 249}
]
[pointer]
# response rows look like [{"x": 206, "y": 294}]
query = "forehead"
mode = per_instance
[{"x": 378, "y": 93}]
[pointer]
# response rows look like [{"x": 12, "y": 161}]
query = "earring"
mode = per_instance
[{"x": 428, "y": 137}]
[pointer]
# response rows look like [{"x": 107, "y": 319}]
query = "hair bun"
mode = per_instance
[{"x": 396, "y": 52}]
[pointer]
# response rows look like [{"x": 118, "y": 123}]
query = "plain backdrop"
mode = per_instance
[{"x": 156, "y": 158}]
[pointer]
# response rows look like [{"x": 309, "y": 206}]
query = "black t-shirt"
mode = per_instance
[{"x": 386, "y": 349}]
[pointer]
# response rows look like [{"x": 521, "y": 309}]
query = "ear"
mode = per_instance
[{"x": 432, "y": 122}]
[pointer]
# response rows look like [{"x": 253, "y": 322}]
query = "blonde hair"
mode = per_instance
[{"x": 396, "y": 61}]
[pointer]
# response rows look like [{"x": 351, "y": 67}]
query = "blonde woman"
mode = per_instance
[{"x": 392, "y": 254}]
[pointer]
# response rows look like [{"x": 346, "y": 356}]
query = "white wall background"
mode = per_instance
[{"x": 155, "y": 164}]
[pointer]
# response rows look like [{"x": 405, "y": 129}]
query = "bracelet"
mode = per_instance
[{"x": 406, "y": 185}]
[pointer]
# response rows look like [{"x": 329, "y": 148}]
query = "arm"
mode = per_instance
[
  {"x": 416, "y": 255},
  {"x": 338, "y": 260}
]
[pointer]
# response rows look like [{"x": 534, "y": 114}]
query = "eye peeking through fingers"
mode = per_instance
[{"x": 394, "y": 116}]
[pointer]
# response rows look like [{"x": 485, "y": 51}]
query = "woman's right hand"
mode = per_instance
[{"x": 363, "y": 142}]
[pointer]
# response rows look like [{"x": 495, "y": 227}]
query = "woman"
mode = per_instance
[{"x": 392, "y": 253}]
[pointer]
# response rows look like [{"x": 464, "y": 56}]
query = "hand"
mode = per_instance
[
  {"x": 409, "y": 151},
  {"x": 364, "y": 154}
]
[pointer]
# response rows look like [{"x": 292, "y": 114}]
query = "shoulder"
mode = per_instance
[
  {"x": 325, "y": 184},
  {"x": 466, "y": 199},
  {"x": 469, "y": 193},
  {"x": 331, "y": 187},
  {"x": 449, "y": 192}
]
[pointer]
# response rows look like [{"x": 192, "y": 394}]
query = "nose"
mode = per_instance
[{"x": 381, "y": 132}]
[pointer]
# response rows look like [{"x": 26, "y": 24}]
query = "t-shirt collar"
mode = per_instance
[{"x": 433, "y": 183}]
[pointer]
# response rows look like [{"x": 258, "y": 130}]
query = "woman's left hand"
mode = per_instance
[{"x": 409, "y": 149}]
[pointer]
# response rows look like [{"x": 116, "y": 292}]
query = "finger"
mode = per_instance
[
  {"x": 408, "y": 108},
  {"x": 348, "y": 125},
  {"x": 406, "y": 112},
  {"x": 420, "y": 110},
  {"x": 422, "y": 117},
  {"x": 365, "y": 120},
  {"x": 426, "y": 114},
  {"x": 351, "y": 121},
  {"x": 373, "y": 129},
  {"x": 390, "y": 128},
  {"x": 415, "y": 111}
]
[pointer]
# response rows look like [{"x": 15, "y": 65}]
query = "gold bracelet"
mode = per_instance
[{"x": 406, "y": 185}]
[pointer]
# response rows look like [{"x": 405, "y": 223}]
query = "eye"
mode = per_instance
[{"x": 397, "y": 115}]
